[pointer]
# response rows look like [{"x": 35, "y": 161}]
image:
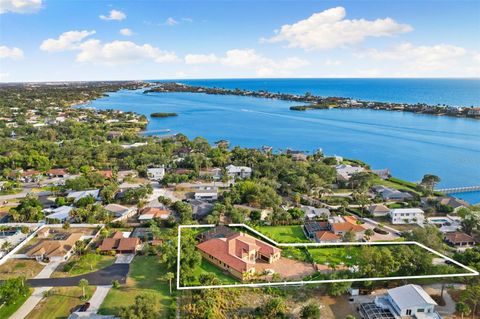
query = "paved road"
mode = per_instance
[{"x": 102, "y": 277}]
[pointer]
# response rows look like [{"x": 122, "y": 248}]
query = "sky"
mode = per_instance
[{"x": 74, "y": 40}]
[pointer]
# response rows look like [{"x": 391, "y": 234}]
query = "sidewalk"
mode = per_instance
[{"x": 30, "y": 303}]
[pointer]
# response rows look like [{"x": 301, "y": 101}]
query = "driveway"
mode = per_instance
[
  {"x": 124, "y": 258},
  {"x": 102, "y": 277},
  {"x": 97, "y": 298}
]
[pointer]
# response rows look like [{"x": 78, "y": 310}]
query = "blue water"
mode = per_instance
[
  {"x": 410, "y": 145},
  {"x": 454, "y": 92}
]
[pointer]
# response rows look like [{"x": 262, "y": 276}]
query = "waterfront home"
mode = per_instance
[
  {"x": 378, "y": 210},
  {"x": 345, "y": 171},
  {"x": 407, "y": 216},
  {"x": 95, "y": 193},
  {"x": 55, "y": 249},
  {"x": 453, "y": 202},
  {"x": 400, "y": 302},
  {"x": 156, "y": 173},
  {"x": 315, "y": 213},
  {"x": 446, "y": 224},
  {"x": 120, "y": 212},
  {"x": 238, "y": 254},
  {"x": 459, "y": 239},
  {"x": 60, "y": 214},
  {"x": 382, "y": 173},
  {"x": 387, "y": 193},
  {"x": 208, "y": 195},
  {"x": 240, "y": 172},
  {"x": 119, "y": 244}
]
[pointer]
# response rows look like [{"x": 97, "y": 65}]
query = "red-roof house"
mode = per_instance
[
  {"x": 238, "y": 253},
  {"x": 120, "y": 244}
]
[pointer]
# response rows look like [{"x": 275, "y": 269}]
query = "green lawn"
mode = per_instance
[
  {"x": 81, "y": 268},
  {"x": 284, "y": 234},
  {"x": 397, "y": 184},
  {"x": 20, "y": 267},
  {"x": 7, "y": 311},
  {"x": 144, "y": 277},
  {"x": 60, "y": 303},
  {"x": 334, "y": 255},
  {"x": 206, "y": 266}
]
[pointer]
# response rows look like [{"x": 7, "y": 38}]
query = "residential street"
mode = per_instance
[{"x": 102, "y": 277}]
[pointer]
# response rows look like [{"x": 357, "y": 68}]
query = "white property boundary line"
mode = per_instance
[{"x": 471, "y": 272}]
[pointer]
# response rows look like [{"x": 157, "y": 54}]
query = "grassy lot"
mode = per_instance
[
  {"x": 334, "y": 255},
  {"x": 20, "y": 267},
  {"x": 80, "y": 267},
  {"x": 60, "y": 303},
  {"x": 205, "y": 267},
  {"x": 284, "y": 234},
  {"x": 7, "y": 311},
  {"x": 397, "y": 184},
  {"x": 144, "y": 277}
]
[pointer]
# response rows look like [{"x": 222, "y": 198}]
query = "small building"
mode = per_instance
[
  {"x": 315, "y": 213},
  {"x": 150, "y": 213},
  {"x": 453, "y": 202},
  {"x": 240, "y": 172},
  {"x": 61, "y": 214},
  {"x": 120, "y": 244},
  {"x": 299, "y": 157},
  {"x": 344, "y": 224},
  {"x": 95, "y": 193},
  {"x": 120, "y": 212},
  {"x": 55, "y": 249},
  {"x": 407, "y": 216},
  {"x": 459, "y": 239},
  {"x": 382, "y": 173},
  {"x": 213, "y": 173},
  {"x": 378, "y": 210},
  {"x": 57, "y": 172},
  {"x": 156, "y": 173},
  {"x": 107, "y": 174},
  {"x": 325, "y": 236},
  {"x": 208, "y": 195},
  {"x": 200, "y": 208}
]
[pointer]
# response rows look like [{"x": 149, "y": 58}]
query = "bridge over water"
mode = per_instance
[{"x": 463, "y": 189}]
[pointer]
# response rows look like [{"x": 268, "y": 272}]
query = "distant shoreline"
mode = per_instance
[{"x": 318, "y": 102}]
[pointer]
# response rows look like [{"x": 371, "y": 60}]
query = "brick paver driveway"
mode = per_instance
[{"x": 287, "y": 268}]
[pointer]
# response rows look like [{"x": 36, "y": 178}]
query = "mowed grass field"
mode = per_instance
[
  {"x": 145, "y": 277},
  {"x": 81, "y": 267},
  {"x": 206, "y": 267},
  {"x": 284, "y": 234},
  {"x": 60, "y": 303}
]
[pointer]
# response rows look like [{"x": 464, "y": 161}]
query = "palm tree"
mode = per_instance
[
  {"x": 83, "y": 283},
  {"x": 169, "y": 276}
]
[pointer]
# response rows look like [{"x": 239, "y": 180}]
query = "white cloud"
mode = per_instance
[
  {"x": 171, "y": 21},
  {"x": 4, "y": 76},
  {"x": 20, "y": 6},
  {"x": 10, "y": 53},
  {"x": 435, "y": 57},
  {"x": 329, "y": 29},
  {"x": 200, "y": 58},
  {"x": 250, "y": 59},
  {"x": 332, "y": 62},
  {"x": 476, "y": 57},
  {"x": 126, "y": 32},
  {"x": 121, "y": 52},
  {"x": 69, "y": 40},
  {"x": 114, "y": 15}
]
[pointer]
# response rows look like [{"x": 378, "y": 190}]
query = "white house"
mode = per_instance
[
  {"x": 407, "y": 216},
  {"x": 81, "y": 194},
  {"x": 345, "y": 171},
  {"x": 408, "y": 300},
  {"x": 241, "y": 172},
  {"x": 206, "y": 194},
  {"x": 156, "y": 173},
  {"x": 314, "y": 212},
  {"x": 120, "y": 212},
  {"x": 61, "y": 213}
]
